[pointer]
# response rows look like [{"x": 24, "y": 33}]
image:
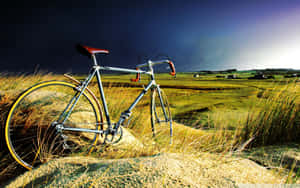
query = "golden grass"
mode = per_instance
[
  {"x": 277, "y": 121},
  {"x": 220, "y": 140}
]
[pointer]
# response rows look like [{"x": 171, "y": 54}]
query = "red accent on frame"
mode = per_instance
[{"x": 138, "y": 77}]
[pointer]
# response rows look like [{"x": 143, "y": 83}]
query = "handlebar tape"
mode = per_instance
[
  {"x": 138, "y": 77},
  {"x": 172, "y": 67}
]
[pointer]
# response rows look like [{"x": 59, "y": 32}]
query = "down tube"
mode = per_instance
[{"x": 140, "y": 96}]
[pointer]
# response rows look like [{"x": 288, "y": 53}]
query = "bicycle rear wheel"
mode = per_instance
[
  {"x": 161, "y": 119},
  {"x": 30, "y": 133}
]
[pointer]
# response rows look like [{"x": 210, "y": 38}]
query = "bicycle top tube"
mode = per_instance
[
  {"x": 117, "y": 69},
  {"x": 149, "y": 64}
]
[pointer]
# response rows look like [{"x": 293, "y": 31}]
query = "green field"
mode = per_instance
[{"x": 195, "y": 101}]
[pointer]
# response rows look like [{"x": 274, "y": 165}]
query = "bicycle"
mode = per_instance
[{"x": 62, "y": 118}]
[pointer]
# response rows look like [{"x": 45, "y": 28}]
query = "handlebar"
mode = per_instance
[
  {"x": 150, "y": 65},
  {"x": 172, "y": 67}
]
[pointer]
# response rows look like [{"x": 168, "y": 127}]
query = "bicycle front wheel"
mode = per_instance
[
  {"x": 161, "y": 119},
  {"x": 30, "y": 133}
]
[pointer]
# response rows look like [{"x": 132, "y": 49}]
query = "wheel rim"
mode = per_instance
[{"x": 30, "y": 137}]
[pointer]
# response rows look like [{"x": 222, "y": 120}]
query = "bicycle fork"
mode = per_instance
[{"x": 166, "y": 119}]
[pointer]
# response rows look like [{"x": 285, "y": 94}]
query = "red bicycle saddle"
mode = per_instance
[{"x": 86, "y": 50}]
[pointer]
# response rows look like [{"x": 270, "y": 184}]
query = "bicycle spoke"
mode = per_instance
[{"x": 24, "y": 139}]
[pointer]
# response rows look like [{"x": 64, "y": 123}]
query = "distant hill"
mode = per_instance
[
  {"x": 277, "y": 71},
  {"x": 264, "y": 71}
]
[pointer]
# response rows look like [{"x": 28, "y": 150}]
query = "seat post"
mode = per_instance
[{"x": 94, "y": 60}]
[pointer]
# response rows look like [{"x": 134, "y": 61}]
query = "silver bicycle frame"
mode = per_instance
[{"x": 95, "y": 71}]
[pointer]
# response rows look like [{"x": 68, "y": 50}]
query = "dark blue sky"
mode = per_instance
[{"x": 198, "y": 35}]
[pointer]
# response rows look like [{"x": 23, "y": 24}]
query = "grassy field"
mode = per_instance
[
  {"x": 197, "y": 101},
  {"x": 214, "y": 115}
]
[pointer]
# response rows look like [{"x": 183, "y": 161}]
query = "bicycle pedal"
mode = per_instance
[
  {"x": 64, "y": 136},
  {"x": 65, "y": 145}
]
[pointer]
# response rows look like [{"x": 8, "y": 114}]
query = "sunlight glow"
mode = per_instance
[{"x": 288, "y": 57}]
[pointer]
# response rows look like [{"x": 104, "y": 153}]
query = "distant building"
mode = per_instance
[
  {"x": 258, "y": 76},
  {"x": 291, "y": 75},
  {"x": 231, "y": 76},
  {"x": 196, "y": 75}
]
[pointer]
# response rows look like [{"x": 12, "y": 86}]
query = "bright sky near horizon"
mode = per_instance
[{"x": 198, "y": 35}]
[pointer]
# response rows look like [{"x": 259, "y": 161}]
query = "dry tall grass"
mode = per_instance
[{"x": 277, "y": 121}]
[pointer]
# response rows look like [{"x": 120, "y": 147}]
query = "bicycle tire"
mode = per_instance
[
  {"x": 29, "y": 135},
  {"x": 161, "y": 123}
]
